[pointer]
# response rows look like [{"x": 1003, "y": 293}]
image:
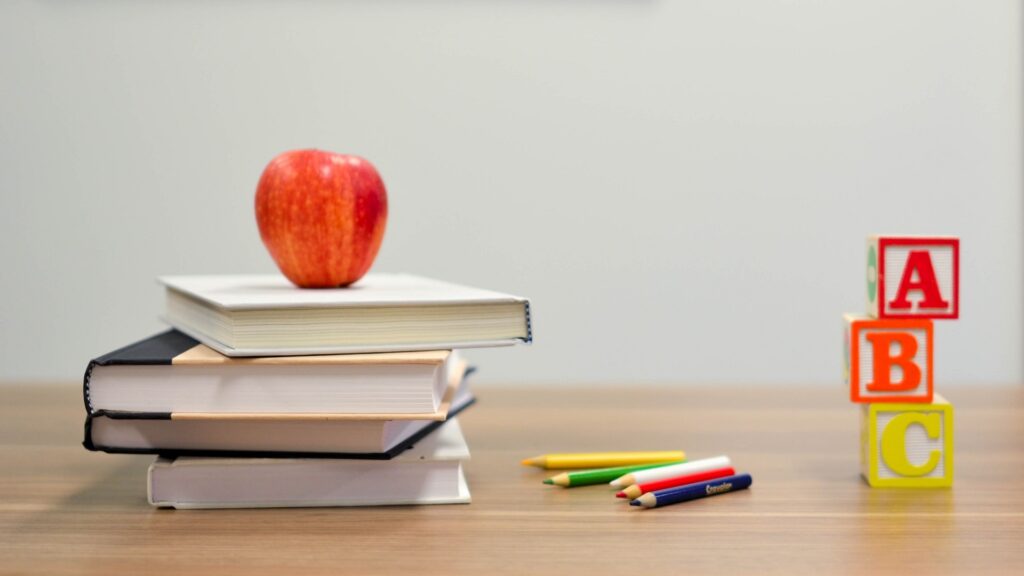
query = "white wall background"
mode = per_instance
[{"x": 682, "y": 187}]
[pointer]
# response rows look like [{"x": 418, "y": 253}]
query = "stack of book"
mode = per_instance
[{"x": 267, "y": 395}]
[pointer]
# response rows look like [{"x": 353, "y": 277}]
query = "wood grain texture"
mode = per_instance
[{"x": 67, "y": 511}]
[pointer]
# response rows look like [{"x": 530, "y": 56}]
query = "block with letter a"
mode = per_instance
[
  {"x": 913, "y": 277},
  {"x": 907, "y": 445},
  {"x": 888, "y": 360}
]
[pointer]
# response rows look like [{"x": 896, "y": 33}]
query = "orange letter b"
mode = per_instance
[{"x": 881, "y": 344}]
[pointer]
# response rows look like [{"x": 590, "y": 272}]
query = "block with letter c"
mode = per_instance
[{"x": 907, "y": 445}]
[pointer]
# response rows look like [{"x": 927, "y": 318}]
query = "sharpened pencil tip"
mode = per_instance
[
  {"x": 549, "y": 481},
  {"x": 620, "y": 494},
  {"x": 634, "y": 503}
]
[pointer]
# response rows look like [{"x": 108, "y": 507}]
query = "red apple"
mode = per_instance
[{"x": 321, "y": 215}]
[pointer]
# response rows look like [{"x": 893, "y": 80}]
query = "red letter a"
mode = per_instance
[{"x": 921, "y": 262}]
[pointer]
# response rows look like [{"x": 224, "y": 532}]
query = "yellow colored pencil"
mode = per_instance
[{"x": 601, "y": 459}]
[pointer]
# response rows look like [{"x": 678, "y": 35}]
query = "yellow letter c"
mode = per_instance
[{"x": 894, "y": 451}]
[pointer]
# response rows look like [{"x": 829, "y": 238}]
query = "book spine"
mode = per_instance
[
  {"x": 87, "y": 441},
  {"x": 529, "y": 322},
  {"x": 85, "y": 388}
]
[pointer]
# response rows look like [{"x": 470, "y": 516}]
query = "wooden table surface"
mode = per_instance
[{"x": 65, "y": 510}]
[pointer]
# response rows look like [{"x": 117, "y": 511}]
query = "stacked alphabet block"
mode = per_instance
[{"x": 906, "y": 428}]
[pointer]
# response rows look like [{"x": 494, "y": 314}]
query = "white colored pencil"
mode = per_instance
[{"x": 653, "y": 474}]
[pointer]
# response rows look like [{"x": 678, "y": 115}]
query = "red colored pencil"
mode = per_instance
[{"x": 636, "y": 490}]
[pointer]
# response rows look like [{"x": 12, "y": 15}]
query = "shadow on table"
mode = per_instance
[{"x": 122, "y": 487}]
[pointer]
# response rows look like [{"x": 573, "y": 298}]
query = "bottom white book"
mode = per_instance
[{"x": 428, "y": 473}]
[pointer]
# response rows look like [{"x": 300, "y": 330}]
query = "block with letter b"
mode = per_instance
[
  {"x": 907, "y": 445},
  {"x": 913, "y": 277},
  {"x": 888, "y": 360}
]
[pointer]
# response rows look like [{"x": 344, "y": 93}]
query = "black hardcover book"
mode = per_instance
[{"x": 266, "y": 407}]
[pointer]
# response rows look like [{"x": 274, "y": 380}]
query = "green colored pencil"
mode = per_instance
[{"x": 600, "y": 475}]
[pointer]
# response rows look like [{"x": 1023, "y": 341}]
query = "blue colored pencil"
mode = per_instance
[{"x": 693, "y": 491}]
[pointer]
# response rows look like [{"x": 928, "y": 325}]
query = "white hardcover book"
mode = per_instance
[
  {"x": 265, "y": 315},
  {"x": 429, "y": 473}
]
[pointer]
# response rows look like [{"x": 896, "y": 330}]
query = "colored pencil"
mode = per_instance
[
  {"x": 600, "y": 475},
  {"x": 636, "y": 490},
  {"x": 693, "y": 491},
  {"x": 602, "y": 459},
  {"x": 669, "y": 471}
]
